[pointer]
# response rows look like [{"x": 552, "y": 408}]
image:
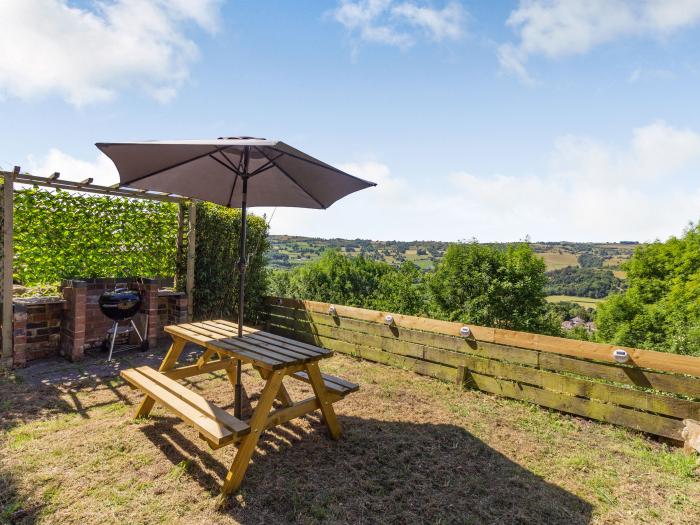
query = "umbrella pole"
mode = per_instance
[
  {"x": 241, "y": 270},
  {"x": 241, "y": 283}
]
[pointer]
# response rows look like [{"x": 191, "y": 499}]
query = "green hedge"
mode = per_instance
[
  {"x": 60, "y": 235},
  {"x": 216, "y": 273}
]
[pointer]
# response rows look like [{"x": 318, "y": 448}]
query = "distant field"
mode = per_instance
[
  {"x": 556, "y": 260},
  {"x": 288, "y": 251},
  {"x": 586, "y": 302}
]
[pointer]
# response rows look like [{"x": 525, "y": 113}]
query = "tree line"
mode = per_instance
[
  {"x": 582, "y": 282},
  {"x": 480, "y": 284},
  {"x": 472, "y": 283}
]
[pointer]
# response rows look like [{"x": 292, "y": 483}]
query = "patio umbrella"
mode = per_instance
[{"x": 234, "y": 172}]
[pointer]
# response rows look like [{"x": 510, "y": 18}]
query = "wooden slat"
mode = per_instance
[
  {"x": 395, "y": 346},
  {"x": 653, "y": 424},
  {"x": 213, "y": 430},
  {"x": 627, "y": 397},
  {"x": 268, "y": 335},
  {"x": 209, "y": 339},
  {"x": 114, "y": 190},
  {"x": 400, "y": 320},
  {"x": 666, "y": 382},
  {"x": 667, "y": 405},
  {"x": 416, "y": 365},
  {"x": 277, "y": 350},
  {"x": 194, "y": 370},
  {"x": 680, "y": 384},
  {"x": 205, "y": 407},
  {"x": 333, "y": 383},
  {"x": 602, "y": 352}
]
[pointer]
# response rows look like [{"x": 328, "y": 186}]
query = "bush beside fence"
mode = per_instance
[{"x": 652, "y": 393}]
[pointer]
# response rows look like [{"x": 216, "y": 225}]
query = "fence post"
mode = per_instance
[
  {"x": 189, "y": 287},
  {"x": 7, "y": 257},
  {"x": 177, "y": 283}
]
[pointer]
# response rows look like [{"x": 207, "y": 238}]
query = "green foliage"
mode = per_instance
[
  {"x": 354, "y": 281},
  {"x": 567, "y": 310},
  {"x": 582, "y": 282},
  {"x": 492, "y": 287},
  {"x": 216, "y": 273},
  {"x": 402, "y": 290},
  {"x": 59, "y": 235},
  {"x": 590, "y": 260},
  {"x": 473, "y": 283},
  {"x": 661, "y": 307}
]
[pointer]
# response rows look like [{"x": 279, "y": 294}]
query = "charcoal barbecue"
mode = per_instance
[{"x": 121, "y": 305}]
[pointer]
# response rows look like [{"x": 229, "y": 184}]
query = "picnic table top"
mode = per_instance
[{"x": 263, "y": 349}]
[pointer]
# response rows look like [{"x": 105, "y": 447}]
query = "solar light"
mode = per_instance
[
  {"x": 389, "y": 320},
  {"x": 331, "y": 310},
  {"x": 620, "y": 355},
  {"x": 465, "y": 331}
]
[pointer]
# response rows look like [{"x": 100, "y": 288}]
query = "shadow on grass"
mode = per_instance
[
  {"x": 379, "y": 472},
  {"x": 13, "y": 508}
]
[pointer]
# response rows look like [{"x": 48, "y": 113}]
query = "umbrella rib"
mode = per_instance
[
  {"x": 176, "y": 165},
  {"x": 230, "y": 168},
  {"x": 233, "y": 188},
  {"x": 320, "y": 165},
  {"x": 237, "y": 170},
  {"x": 266, "y": 166},
  {"x": 290, "y": 177}
]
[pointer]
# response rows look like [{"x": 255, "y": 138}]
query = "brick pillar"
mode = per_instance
[
  {"x": 150, "y": 307},
  {"x": 19, "y": 335},
  {"x": 177, "y": 308},
  {"x": 73, "y": 325}
]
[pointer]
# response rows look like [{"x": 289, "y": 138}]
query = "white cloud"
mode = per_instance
[
  {"x": 395, "y": 23},
  {"x": 589, "y": 191},
  {"x": 101, "y": 169},
  {"x": 88, "y": 55},
  {"x": 559, "y": 28}
]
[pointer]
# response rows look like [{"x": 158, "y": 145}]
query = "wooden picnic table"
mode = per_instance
[{"x": 273, "y": 356}]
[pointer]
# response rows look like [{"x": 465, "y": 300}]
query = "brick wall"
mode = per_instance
[
  {"x": 68, "y": 325},
  {"x": 172, "y": 309}
]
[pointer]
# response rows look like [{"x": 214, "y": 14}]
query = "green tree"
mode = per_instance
[
  {"x": 336, "y": 278},
  {"x": 489, "y": 286},
  {"x": 661, "y": 307},
  {"x": 401, "y": 290}
]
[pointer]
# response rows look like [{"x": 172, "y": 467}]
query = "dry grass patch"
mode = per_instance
[{"x": 415, "y": 450}]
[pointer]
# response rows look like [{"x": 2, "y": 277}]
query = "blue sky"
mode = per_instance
[{"x": 561, "y": 120}]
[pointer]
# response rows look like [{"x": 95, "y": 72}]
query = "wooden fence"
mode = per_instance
[{"x": 653, "y": 392}]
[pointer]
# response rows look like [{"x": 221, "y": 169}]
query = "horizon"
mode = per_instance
[
  {"x": 498, "y": 121},
  {"x": 448, "y": 242}
]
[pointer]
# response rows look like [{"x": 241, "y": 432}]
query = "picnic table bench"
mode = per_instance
[{"x": 273, "y": 356}]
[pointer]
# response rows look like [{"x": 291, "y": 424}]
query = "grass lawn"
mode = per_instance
[
  {"x": 415, "y": 450},
  {"x": 587, "y": 302}
]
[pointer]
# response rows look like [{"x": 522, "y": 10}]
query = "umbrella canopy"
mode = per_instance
[
  {"x": 234, "y": 172},
  {"x": 212, "y": 170}
]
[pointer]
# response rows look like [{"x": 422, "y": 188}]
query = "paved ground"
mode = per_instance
[{"x": 59, "y": 371}]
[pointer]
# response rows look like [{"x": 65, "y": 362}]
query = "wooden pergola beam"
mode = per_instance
[
  {"x": 7, "y": 258},
  {"x": 87, "y": 186},
  {"x": 16, "y": 177}
]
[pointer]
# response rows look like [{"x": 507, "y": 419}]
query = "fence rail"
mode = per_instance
[{"x": 652, "y": 393}]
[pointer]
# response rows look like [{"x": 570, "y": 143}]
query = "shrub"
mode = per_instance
[{"x": 216, "y": 268}]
